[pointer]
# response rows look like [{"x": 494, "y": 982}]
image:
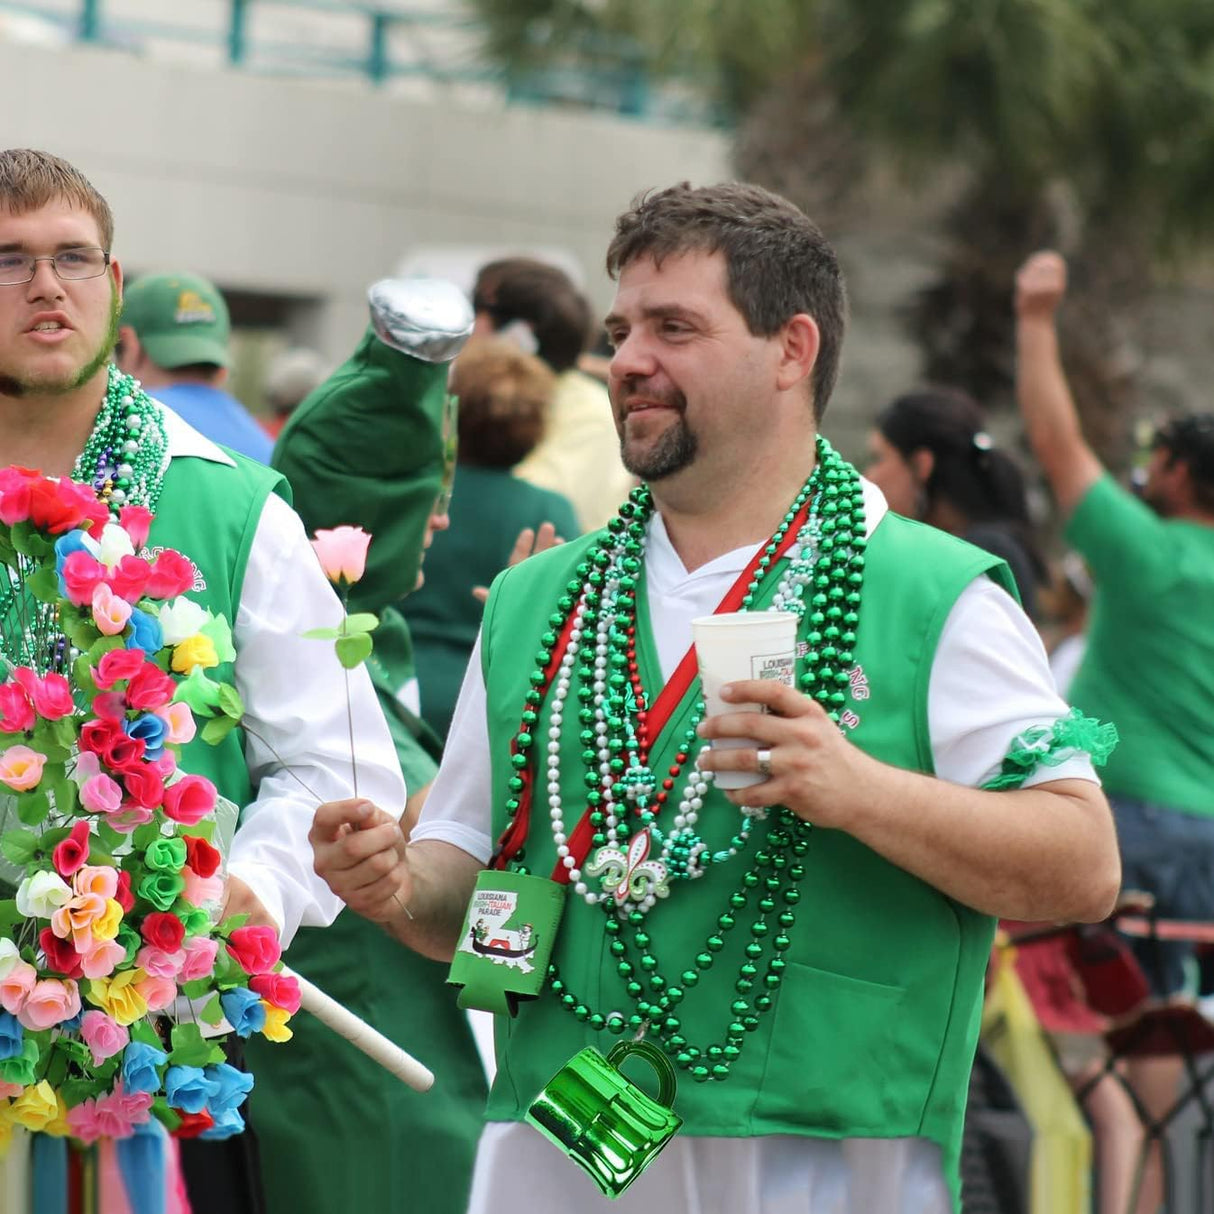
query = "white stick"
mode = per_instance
[{"x": 362, "y": 1036}]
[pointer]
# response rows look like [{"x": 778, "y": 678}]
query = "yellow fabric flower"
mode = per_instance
[
  {"x": 118, "y": 996},
  {"x": 36, "y": 1107},
  {"x": 197, "y": 650},
  {"x": 106, "y": 928},
  {"x": 275, "y": 1027},
  {"x": 58, "y": 1126}
]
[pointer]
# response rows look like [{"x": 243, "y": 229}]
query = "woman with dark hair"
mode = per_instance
[
  {"x": 932, "y": 457},
  {"x": 504, "y": 401}
]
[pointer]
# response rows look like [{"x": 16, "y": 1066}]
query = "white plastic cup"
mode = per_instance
[{"x": 741, "y": 645}]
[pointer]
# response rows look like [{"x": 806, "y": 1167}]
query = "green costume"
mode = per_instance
[
  {"x": 336, "y": 1131},
  {"x": 488, "y": 510},
  {"x": 874, "y": 1017}
]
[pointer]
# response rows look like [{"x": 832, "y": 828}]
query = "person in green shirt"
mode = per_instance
[{"x": 1149, "y": 662}]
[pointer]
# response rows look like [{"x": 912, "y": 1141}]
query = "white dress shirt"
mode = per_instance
[{"x": 297, "y": 739}]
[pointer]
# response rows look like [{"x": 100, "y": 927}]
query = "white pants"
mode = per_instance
[{"x": 518, "y": 1171}]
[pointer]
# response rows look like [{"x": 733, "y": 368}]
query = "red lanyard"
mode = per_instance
[{"x": 515, "y": 834}]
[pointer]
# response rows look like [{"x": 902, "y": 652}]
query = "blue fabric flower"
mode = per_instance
[
  {"x": 243, "y": 1010},
  {"x": 228, "y": 1123},
  {"x": 188, "y": 1088},
  {"x": 140, "y": 1067},
  {"x": 152, "y": 730},
  {"x": 72, "y": 1025},
  {"x": 11, "y": 1035},
  {"x": 231, "y": 1087},
  {"x": 146, "y": 633}
]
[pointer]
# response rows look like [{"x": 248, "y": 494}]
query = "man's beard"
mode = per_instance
[
  {"x": 672, "y": 451},
  {"x": 60, "y": 385}
]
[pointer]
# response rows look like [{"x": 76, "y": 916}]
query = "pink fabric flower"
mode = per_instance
[
  {"x": 158, "y": 962},
  {"x": 16, "y": 711},
  {"x": 150, "y": 689},
  {"x": 136, "y": 521},
  {"x": 129, "y": 578},
  {"x": 82, "y": 574},
  {"x": 102, "y": 958},
  {"x": 342, "y": 552},
  {"x": 189, "y": 800},
  {"x": 180, "y": 722},
  {"x": 201, "y": 890},
  {"x": 78, "y": 914},
  {"x": 50, "y": 1002},
  {"x": 51, "y": 694},
  {"x": 98, "y": 879},
  {"x": 16, "y": 986},
  {"x": 256, "y": 949},
  {"x": 21, "y": 767},
  {"x": 8, "y": 1090},
  {"x": 110, "y": 613},
  {"x": 172, "y": 574},
  {"x": 282, "y": 990},
  {"x": 157, "y": 991},
  {"x": 71, "y": 853},
  {"x": 84, "y": 1123},
  {"x": 130, "y": 817},
  {"x": 101, "y": 795},
  {"x": 200, "y": 954},
  {"x": 117, "y": 664},
  {"x": 104, "y": 1036},
  {"x": 15, "y": 486}
]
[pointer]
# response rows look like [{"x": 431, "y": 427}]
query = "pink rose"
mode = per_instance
[
  {"x": 117, "y": 664},
  {"x": 200, "y": 954},
  {"x": 189, "y": 800},
  {"x": 110, "y": 613},
  {"x": 103, "y": 1036},
  {"x": 16, "y": 712},
  {"x": 158, "y": 992},
  {"x": 201, "y": 890},
  {"x": 144, "y": 787},
  {"x": 342, "y": 552},
  {"x": 84, "y": 1123},
  {"x": 180, "y": 721},
  {"x": 49, "y": 1003},
  {"x": 51, "y": 694},
  {"x": 136, "y": 521},
  {"x": 16, "y": 986},
  {"x": 98, "y": 879},
  {"x": 172, "y": 574},
  {"x": 101, "y": 795},
  {"x": 256, "y": 949},
  {"x": 130, "y": 817},
  {"x": 102, "y": 958},
  {"x": 129, "y": 578},
  {"x": 150, "y": 688},
  {"x": 8, "y": 1090},
  {"x": 15, "y": 486},
  {"x": 71, "y": 853},
  {"x": 282, "y": 990},
  {"x": 21, "y": 768},
  {"x": 158, "y": 962},
  {"x": 82, "y": 574}
]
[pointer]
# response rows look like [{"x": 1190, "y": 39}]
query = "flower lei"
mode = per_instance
[{"x": 598, "y": 672}]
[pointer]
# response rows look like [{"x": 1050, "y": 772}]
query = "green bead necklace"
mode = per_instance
[{"x": 823, "y": 583}]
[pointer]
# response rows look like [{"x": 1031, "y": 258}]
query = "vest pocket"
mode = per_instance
[{"x": 832, "y": 1062}]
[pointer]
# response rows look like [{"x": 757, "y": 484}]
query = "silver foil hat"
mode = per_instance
[{"x": 427, "y": 318}]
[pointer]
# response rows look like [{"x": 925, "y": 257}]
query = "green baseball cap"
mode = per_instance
[{"x": 179, "y": 319}]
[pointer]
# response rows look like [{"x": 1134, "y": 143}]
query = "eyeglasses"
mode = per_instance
[{"x": 70, "y": 265}]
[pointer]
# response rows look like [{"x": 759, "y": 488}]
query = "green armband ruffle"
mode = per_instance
[{"x": 1050, "y": 745}]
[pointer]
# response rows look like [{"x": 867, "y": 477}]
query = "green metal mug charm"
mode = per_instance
[{"x": 609, "y": 1127}]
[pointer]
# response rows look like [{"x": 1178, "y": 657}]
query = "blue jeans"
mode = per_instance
[{"x": 1170, "y": 854}]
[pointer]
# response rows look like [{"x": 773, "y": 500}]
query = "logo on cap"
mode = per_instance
[{"x": 192, "y": 309}]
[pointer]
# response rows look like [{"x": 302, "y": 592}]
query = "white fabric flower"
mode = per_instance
[
  {"x": 41, "y": 895},
  {"x": 9, "y": 956},
  {"x": 180, "y": 619},
  {"x": 115, "y": 544}
]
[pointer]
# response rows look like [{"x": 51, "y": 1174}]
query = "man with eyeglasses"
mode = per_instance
[
  {"x": 1149, "y": 662},
  {"x": 64, "y": 409},
  {"x": 174, "y": 337}
]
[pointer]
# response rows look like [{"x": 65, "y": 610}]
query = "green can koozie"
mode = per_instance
[
  {"x": 609, "y": 1127},
  {"x": 506, "y": 940}
]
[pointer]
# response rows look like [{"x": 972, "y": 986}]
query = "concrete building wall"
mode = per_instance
[{"x": 313, "y": 190}]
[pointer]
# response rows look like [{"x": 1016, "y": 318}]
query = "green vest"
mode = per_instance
[
  {"x": 874, "y": 1026},
  {"x": 209, "y": 511}
]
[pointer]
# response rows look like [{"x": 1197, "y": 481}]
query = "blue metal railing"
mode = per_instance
[{"x": 616, "y": 83}]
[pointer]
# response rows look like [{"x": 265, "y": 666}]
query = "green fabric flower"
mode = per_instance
[
  {"x": 166, "y": 855},
  {"x": 1050, "y": 745},
  {"x": 161, "y": 889}
]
